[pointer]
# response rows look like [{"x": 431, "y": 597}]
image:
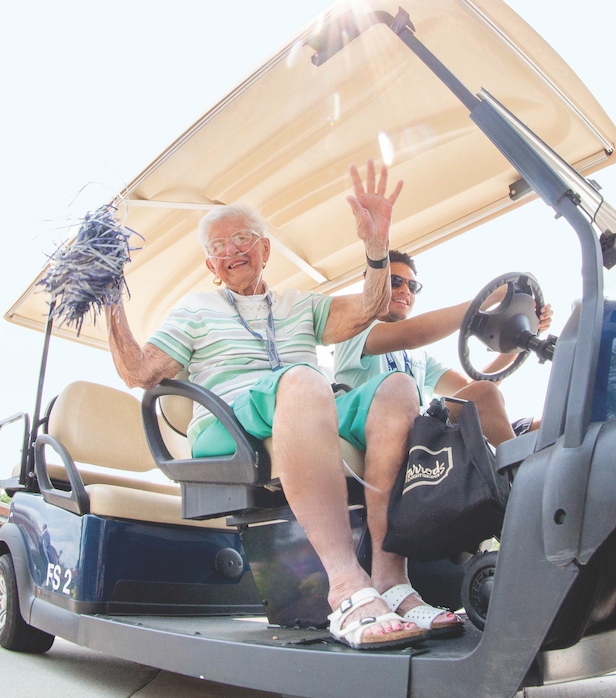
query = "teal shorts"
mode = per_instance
[{"x": 255, "y": 412}]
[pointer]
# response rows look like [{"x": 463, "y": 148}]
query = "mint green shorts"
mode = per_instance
[{"x": 255, "y": 412}]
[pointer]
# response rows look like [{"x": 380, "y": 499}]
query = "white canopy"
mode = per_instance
[{"x": 283, "y": 140}]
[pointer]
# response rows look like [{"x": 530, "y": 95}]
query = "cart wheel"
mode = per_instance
[
  {"x": 477, "y": 587},
  {"x": 15, "y": 633}
]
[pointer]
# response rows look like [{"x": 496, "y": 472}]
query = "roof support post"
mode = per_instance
[{"x": 27, "y": 476}]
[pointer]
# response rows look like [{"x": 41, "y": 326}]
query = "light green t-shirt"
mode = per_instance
[
  {"x": 354, "y": 368},
  {"x": 205, "y": 334}
]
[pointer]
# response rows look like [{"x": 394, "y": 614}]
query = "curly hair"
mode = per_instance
[
  {"x": 396, "y": 256},
  {"x": 251, "y": 216}
]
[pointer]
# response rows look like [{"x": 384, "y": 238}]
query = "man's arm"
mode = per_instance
[
  {"x": 349, "y": 315},
  {"x": 427, "y": 328},
  {"x": 415, "y": 332},
  {"x": 138, "y": 367}
]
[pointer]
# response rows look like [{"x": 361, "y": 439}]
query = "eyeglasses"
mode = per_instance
[
  {"x": 414, "y": 286},
  {"x": 241, "y": 239}
]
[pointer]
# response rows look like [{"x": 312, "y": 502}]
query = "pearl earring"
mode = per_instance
[{"x": 217, "y": 281}]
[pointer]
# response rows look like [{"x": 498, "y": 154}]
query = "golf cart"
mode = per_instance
[{"x": 208, "y": 574}]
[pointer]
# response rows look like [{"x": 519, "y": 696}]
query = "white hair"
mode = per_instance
[{"x": 248, "y": 214}]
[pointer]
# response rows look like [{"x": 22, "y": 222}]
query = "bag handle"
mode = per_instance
[{"x": 439, "y": 410}]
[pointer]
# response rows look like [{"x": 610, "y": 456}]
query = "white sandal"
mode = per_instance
[
  {"x": 423, "y": 615},
  {"x": 351, "y": 634}
]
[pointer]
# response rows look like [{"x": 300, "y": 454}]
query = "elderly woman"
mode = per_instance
[{"x": 256, "y": 349}]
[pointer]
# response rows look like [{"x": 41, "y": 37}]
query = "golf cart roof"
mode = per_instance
[{"x": 283, "y": 139}]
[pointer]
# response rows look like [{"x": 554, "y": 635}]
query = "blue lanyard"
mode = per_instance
[
  {"x": 392, "y": 366},
  {"x": 270, "y": 341}
]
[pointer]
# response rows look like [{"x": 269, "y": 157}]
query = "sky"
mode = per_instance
[{"x": 93, "y": 92}]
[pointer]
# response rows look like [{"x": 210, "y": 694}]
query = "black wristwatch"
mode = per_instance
[{"x": 378, "y": 264}]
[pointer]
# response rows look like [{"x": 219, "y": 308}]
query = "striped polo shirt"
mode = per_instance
[{"x": 206, "y": 335}]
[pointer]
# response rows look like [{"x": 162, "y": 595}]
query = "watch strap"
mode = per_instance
[{"x": 379, "y": 263}]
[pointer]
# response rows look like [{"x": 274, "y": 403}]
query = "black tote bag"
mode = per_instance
[{"x": 447, "y": 497}]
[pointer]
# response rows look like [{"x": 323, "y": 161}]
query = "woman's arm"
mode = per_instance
[
  {"x": 349, "y": 315},
  {"x": 138, "y": 367}
]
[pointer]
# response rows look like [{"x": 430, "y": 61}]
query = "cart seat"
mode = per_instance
[
  {"x": 97, "y": 432},
  {"x": 176, "y": 412},
  {"x": 239, "y": 484}
]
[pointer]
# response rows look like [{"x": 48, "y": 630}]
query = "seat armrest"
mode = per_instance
[
  {"x": 77, "y": 499},
  {"x": 513, "y": 452},
  {"x": 249, "y": 465}
]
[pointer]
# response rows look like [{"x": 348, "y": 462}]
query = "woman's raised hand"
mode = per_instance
[{"x": 372, "y": 210}]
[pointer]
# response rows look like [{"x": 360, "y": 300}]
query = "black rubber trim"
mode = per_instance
[
  {"x": 75, "y": 501},
  {"x": 249, "y": 465}
]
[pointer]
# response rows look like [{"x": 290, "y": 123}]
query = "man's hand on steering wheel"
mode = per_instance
[
  {"x": 545, "y": 318},
  {"x": 496, "y": 297},
  {"x": 508, "y": 328}
]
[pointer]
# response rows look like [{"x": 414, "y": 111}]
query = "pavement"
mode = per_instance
[
  {"x": 69, "y": 671},
  {"x": 603, "y": 687}
]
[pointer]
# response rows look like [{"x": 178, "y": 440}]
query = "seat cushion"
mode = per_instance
[
  {"x": 102, "y": 429},
  {"x": 351, "y": 456},
  {"x": 93, "y": 475},
  {"x": 140, "y": 505}
]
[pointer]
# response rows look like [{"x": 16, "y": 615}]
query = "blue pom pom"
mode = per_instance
[{"x": 88, "y": 274}]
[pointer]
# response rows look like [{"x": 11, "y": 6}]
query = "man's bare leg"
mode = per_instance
[{"x": 490, "y": 408}]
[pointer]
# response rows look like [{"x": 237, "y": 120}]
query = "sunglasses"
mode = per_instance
[{"x": 414, "y": 286}]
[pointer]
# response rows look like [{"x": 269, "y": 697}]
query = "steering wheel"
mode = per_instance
[{"x": 505, "y": 329}]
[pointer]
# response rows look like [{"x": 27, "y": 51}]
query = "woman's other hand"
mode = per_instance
[{"x": 372, "y": 209}]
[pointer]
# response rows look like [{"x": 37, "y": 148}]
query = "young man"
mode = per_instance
[{"x": 393, "y": 343}]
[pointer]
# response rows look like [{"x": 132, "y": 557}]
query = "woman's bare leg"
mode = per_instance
[
  {"x": 388, "y": 426},
  {"x": 307, "y": 452}
]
